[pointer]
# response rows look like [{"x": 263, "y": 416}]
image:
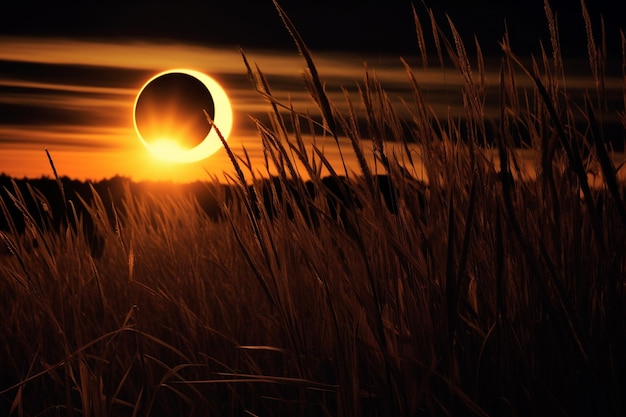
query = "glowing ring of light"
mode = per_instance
[{"x": 223, "y": 120}]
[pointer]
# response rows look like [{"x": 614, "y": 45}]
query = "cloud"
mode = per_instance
[{"x": 78, "y": 95}]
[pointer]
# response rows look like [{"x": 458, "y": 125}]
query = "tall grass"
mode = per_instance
[{"x": 490, "y": 290}]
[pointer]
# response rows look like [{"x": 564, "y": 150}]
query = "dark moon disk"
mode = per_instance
[{"x": 172, "y": 107}]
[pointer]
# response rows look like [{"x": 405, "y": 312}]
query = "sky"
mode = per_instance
[{"x": 70, "y": 72}]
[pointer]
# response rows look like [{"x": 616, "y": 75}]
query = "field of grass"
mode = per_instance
[{"x": 486, "y": 289}]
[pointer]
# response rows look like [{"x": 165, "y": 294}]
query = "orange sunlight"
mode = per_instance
[
  {"x": 76, "y": 98},
  {"x": 171, "y": 111}
]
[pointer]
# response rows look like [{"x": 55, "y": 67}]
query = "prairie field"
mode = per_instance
[{"x": 481, "y": 275}]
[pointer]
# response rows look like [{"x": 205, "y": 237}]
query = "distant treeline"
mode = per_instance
[{"x": 53, "y": 205}]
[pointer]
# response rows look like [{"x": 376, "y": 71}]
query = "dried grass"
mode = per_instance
[{"x": 487, "y": 291}]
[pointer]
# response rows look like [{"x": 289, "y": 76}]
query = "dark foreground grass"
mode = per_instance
[{"x": 493, "y": 290}]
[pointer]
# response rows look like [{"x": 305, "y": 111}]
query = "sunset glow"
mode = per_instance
[
  {"x": 167, "y": 149},
  {"x": 81, "y": 110}
]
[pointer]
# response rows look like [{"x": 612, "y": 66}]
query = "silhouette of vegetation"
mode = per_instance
[{"x": 483, "y": 287}]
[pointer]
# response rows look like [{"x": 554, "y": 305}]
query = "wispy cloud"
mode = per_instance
[{"x": 76, "y": 97}]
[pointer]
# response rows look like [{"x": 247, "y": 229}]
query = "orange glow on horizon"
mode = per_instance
[{"x": 75, "y": 98}]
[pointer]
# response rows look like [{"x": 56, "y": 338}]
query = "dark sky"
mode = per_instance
[{"x": 367, "y": 25}]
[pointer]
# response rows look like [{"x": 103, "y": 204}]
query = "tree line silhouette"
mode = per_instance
[{"x": 55, "y": 205}]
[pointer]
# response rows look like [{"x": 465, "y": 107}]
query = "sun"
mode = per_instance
[{"x": 170, "y": 115}]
